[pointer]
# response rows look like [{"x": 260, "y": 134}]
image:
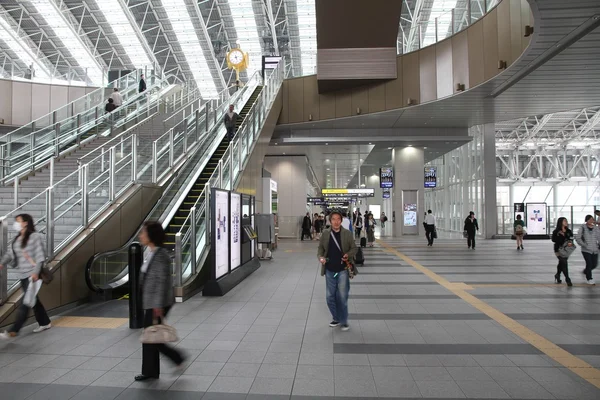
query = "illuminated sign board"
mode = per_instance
[
  {"x": 386, "y": 177},
  {"x": 430, "y": 177},
  {"x": 386, "y": 193},
  {"x": 348, "y": 192}
]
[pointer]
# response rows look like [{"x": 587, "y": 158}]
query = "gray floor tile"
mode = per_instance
[
  {"x": 525, "y": 390},
  {"x": 309, "y": 358},
  {"x": 457, "y": 360},
  {"x": 224, "y": 384},
  {"x": 281, "y": 358},
  {"x": 164, "y": 383},
  {"x": 144, "y": 394},
  {"x": 514, "y": 374},
  {"x": 469, "y": 374},
  {"x": 313, "y": 387},
  {"x": 529, "y": 360},
  {"x": 355, "y": 388},
  {"x": 571, "y": 390},
  {"x": 397, "y": 389},
  {"x": 98, "y": 393},
  {"x": 388, "y": 374},
  {"x": 223, "y": 345},
  {"x": 215, "y": 355},
  {"x": 422, "y": 360},
  {"x": 57, "y": 392},
  {"x": 493, "y": 360},
  {"x": 128, "y": 365},
  {"x": 358, "y": 373},
  {"x": 430, "y": 374},
  {"x": 277, "y": 386},
  {"x": 442, "y": 389},
  {"x": 101, "y": 363},
  {"x": 67, "y": 362},
  {"x": 224, "y": 396},
  {"x": 192, "y": 383},
  {"x": 10, "y": 374},
  {"x": 351, "y": 359},
  {"x": 386, "y": 360},
  {"x": 317, "y": 372},
  {"x": 33, "y": 360},
  {"x": 80, "y": 377},
  {"x": 19, "y": 391},
  {"x": 43, "y": 375},
  {"x": 541, "y": 374},
  {"x": 277, "y": 371},
  {"x": 482, "y": 390},
  {"x": 251, "y": 357},
  {"x": 204, "y": 368},
  {"x": 114, "y": 379},
  {"x": 242, "y": 370}
]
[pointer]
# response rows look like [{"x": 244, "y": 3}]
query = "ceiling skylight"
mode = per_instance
[
  {"x": 247, "y": 32},
  {"x": 307, "y": 27},
  {"x": 186, "y": 35},
  {"x": 440, "y": 9},
  {"x": 114, "y": 14},
  {"x": 21, "y": 49},
  {"x": 64, "y": 32}
]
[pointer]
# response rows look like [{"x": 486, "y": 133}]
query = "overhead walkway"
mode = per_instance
[{"x": 183, "y": 209}]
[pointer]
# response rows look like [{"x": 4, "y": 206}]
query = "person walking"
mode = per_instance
[
  {"x": 346, "y": 223},
  {"x": 370, "y": 226},
  {"x": 142, "y": 84},
  {"x": 430, "y": 227},
  {"x": 358, "y": 226},
  {"x": 588, "y": 239},
  {"x": 471, "y": 228},
  {"x": 562, "y": 237},
  {"x": 336, "y": 247},
  {"x": 306, "y": 224},
  {"x": 26, "y": 254},
  {"x": 383, "y": 220},
  {"x": 157, "y": 297},
  {"x": 230, "y": 121},
  {"x": 519, "y": 227}
]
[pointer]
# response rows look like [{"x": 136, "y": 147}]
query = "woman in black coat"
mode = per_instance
[
  {"x": 471, "y": 227},
  {"x": 561, "y": 235},
  {"x": 157, "y": 297}
]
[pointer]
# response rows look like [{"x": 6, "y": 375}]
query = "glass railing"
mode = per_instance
[
  {"x": 193, "y": 239},
  {"x": 30, "y": 151},
  {"x": 574, "y": 214},
  {"x": 445, "y": 24},
  {"x": 189, "y": 144}
]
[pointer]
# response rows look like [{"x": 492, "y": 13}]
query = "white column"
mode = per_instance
[
  {"x": 490, "y": 214},
  {"x": 409, "y": 164}
]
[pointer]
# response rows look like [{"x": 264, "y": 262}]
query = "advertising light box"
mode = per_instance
[
  {"x": 221, "y": 233},
  {"x": 410, "y": 215},
  {"x": 386, "y": 193},
  {"x": 236, "y": 228},
  {"x": 536, "y": 219},
  {"x": 430, "y": 177},
  {"x": 386, "y": 177}
]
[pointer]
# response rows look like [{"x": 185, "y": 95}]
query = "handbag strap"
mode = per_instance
[{"x": 336, "y": 242}]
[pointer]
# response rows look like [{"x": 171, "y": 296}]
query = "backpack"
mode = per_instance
[{"x": 519, "y": 230}]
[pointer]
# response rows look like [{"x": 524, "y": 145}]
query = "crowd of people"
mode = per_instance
[{"x": 313, "y": 226}]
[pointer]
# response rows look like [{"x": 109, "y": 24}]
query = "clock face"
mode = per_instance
[{"x": 236, "y": 57}]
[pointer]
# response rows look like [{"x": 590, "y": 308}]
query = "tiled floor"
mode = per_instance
[{"x": 410, "y": 337}]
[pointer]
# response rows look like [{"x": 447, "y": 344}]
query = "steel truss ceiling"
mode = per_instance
[{"x": 553, "y": 148}]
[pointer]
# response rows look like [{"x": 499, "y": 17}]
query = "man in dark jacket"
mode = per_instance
[
  {"x": 306, "y": 225},
  {"x": 230, "y": 121},
  {"x": 471, "y": 227},
  {"x": 336, "y": 247},
  {"x": 142, "y": 85}
]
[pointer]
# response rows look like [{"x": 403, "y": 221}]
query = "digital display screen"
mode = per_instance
[
  {"x": 221, "y": 221},
  {"x": 386, "y": 177},
  {"x": 410, "y": 215},
  {"x": 430, "y": 177},
  {"x": 236, "y": 226},
  {"x": 386, "y": 193}
]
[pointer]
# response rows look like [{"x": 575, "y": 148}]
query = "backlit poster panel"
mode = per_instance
[
  {"x": 536, "y": 219},
  {"x": 386, "y": 177},
  {"x": 221, "y": 246},
  {"x": 410, "y": 215},
  {"x": 430, "y": 177},
  {"x": 236, "y": 230}
]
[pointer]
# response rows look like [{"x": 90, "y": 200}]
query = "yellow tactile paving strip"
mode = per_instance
[
  {"x": 575, "y": 364},
  {"x": 89, "y": 322}
]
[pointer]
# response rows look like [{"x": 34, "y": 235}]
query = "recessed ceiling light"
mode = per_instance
[
  {"x": 283, "y": 154},
  {"x": 424, "y": 148},
  {"x": 410, "y": 145},
  {"x": 275, "y": 143},
  {"x": 326, "y": 144},
  {"x": 390, "y": 148}
]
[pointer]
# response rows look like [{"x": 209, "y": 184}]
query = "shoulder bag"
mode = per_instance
[
  {"x": 159, "y": 334},
  {"x": 352, "y": 271},
  {"x": 565, "y": 250}
]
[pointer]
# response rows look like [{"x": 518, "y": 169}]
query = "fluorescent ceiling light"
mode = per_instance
[
  {"x": 186, "y": 36},
  {"x": 442, "y": 10},
  {"x": 247, "y": 32},
  {"x": 114, "y": 14},
  {"x": 65, "y": 33},
  {"x": 307, "y": 28}
]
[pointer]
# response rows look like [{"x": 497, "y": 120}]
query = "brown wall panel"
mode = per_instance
[
  {"x": 311, "y": 98},
  {"x": 105, "y": 237},
  {"x": 150, "y": 195},
  {"x": 131, "y": 213},
  {"x": 50, "y": 294},
  {"x": 360, "y": 99},
  {"x": 327, "y": 106},
  {"x": 427, "y": 74},
  {"x": 411, "y": 87},
  {"x": 490, "y": 41},
  {"x": 504, "y": 34},
  {"x": 393, "y": 90},
  {"x": 72, "y": 272},
  {"x": 343, "y": 103},
  {"x": 516, "y": 30},
  {"x": 526, "y": 19},
  {"x": 475, "y": 36},
  {"x": 296, "y": 100},
  {"x": 377, "y": 97},
  {"x": 284, "y": 116},
  {"x": 443, "y": 69},
  {"x": 460, "y": 59}
]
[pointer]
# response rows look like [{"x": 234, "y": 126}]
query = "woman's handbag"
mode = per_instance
[
  {"x": 465, "y": 234},
  {"x": 159, "y": 334},
  {"x": 565, "y": 250}
]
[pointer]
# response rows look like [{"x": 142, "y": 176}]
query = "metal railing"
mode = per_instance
[
  {"x": 426, "y": 33},
  {"x": 192, "y": 241},
  {"x": 22, "y": 155},
  {"x": 575, "y": 215}
]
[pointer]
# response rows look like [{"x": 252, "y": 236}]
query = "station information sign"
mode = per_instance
[
  {"x": 348, "y": 192},
  {"x": 430, "y": 177}
]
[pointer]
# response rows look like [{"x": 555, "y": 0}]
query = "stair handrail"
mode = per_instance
[
  {"x": 189, "y": 236},
  {"x": 118, "y": 83},
  {"x": 34, "y": 159}
]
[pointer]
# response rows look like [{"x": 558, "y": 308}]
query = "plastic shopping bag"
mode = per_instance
[{"x": 33, "y": 288}]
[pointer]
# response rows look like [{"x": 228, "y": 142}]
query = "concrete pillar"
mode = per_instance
[
  {"x": 490, "y": 217},
  {"x": 409, "y": 164}
]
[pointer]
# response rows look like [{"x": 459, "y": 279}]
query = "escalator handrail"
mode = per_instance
[{"x": 88, "y": 270}]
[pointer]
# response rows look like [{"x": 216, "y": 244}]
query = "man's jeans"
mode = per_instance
[{"x": 337, "y": 289}]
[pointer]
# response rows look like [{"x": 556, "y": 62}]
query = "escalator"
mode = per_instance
[{"x": 107, "y": 272}]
